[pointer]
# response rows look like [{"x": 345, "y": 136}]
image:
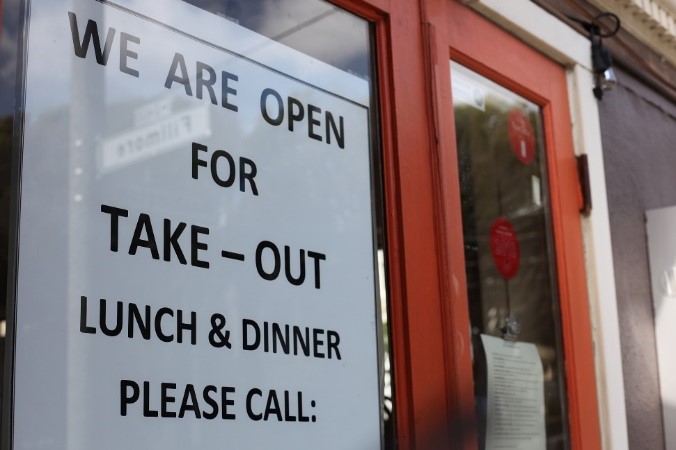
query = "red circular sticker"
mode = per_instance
[
  {"x": 521, "y": 136},
  {"x": 505, "y": 248}
]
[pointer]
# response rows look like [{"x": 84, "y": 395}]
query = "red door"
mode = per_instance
[{"x": 436, "y": 327}]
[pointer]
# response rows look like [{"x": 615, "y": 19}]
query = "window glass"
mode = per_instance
[
  {"x": 310, "y": 26},
  {"x": 510, "y": 263},
  {"x": 200, "y": 241}
]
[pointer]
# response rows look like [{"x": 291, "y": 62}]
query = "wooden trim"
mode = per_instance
[
  {"x": 403, "y": 395},
  {"x": 371, "y": 10},
  {"x": 498, "y": 55},
  {"x": 451, "y": 266},
  {"x": 653, "y": 22},
  {"x": 419, "y": 339},
  {"x": 419, "y": 240}
]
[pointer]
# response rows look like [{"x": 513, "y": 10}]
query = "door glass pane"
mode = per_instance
[{"x": 510, "y": 263}]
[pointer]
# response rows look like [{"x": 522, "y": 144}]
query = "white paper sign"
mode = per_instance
[
  {"x": 196, "y": 239},
  {"x": 515, "y": 397}
]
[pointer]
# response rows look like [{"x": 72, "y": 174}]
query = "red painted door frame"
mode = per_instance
[{"x": 430, "y": 321}]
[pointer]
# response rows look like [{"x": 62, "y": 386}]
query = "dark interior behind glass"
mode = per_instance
[{"x": 504, "y": 183}]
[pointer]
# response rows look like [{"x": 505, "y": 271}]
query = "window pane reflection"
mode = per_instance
[
  {"x": 509, "y": 256},
  {"x": 310, "y": 26}
]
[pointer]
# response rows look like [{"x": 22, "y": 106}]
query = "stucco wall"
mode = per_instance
[{"x": 639, "y": 144}]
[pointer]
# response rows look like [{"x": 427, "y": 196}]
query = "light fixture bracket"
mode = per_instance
[{"x": 603, "y": 25}]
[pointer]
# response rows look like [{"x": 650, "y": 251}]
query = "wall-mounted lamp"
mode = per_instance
[{"x": 602, "y": 62}]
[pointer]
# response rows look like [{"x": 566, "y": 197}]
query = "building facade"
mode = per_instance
[{"x": 355, "y": 224}]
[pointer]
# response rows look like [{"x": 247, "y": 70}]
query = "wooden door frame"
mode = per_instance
[
  {"x": 414, "y": 238},
  {"x": 474, "y": 41}
]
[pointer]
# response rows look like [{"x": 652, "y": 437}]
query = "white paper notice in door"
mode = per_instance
[{"x": 515, "y": 395}]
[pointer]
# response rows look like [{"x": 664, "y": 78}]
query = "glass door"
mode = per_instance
[
  {"x": 518, "y": 198},
  {"x": 511, "y": 270}
]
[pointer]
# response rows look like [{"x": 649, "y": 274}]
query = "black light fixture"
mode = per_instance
[{"x": 602, "y": 62}]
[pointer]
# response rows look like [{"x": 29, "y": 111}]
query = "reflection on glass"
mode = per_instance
[
  {"x": 310, "y": 26},
  {"x": 313, "y": 27},
  {"x": 8, "y": 60},
  {"x": 116, "y": 141},
  {"x": 509, "y": 256}
]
